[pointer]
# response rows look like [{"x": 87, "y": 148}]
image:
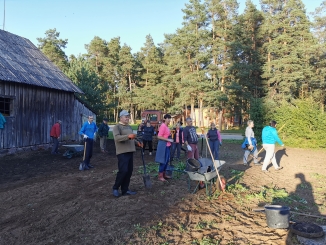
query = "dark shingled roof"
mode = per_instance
[{"x": 22, "y": 62}]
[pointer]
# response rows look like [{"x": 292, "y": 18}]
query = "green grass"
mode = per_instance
[{"x": 233, "y": 131}]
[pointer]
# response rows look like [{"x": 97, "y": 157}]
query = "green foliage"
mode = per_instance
[
  {"x": 53, "y": 47},
  {"x": 305, "y": 125},
  {"x": 86, "y": 79},
  {"x": 257, "y": 65}
]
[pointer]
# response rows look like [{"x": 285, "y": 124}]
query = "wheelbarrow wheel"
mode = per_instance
[{"x": 69, "y": 154}]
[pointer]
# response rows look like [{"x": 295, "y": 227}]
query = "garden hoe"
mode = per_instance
[{"x": 146, "y": 177}]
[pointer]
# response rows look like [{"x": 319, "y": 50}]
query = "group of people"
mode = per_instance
[
  {"x": 126, "y": 142},
  {"x": 269, "y": 138}
]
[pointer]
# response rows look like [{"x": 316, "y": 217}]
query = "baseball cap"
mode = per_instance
[{"x": 124, "y": 113}]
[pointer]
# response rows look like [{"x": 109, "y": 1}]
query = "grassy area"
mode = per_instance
[{"x": 234, "y": 131}]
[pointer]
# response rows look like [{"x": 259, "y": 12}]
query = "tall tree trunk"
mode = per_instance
[
  {"x": 201, "y": 124},
  {"x": 192, "y": 112},
  {"x": 132, "y": 121}
]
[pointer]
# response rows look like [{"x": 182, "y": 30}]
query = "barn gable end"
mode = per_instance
[{"x": 34, "y": 93}]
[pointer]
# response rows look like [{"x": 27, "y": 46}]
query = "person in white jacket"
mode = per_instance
[{"x": 250, "y": 135}]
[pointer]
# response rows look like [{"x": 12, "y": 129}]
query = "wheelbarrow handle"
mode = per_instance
[{"x": 259, "y": 210}]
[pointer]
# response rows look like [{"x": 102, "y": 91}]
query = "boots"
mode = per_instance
[
  {"x": 160, "y": 177},
  {"x": 165, "y": 176}
]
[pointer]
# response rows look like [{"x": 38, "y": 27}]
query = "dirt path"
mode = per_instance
[{"x": 46, "y": 200}]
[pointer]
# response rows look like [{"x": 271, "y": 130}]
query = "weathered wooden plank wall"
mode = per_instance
[{"x": 35, "y": 110}]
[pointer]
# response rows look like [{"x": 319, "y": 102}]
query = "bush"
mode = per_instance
[{"x": 305, "y": 124}]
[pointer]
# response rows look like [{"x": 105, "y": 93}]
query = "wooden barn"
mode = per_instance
[{"x": 34, "y": 94}]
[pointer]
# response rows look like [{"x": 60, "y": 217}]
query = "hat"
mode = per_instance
[
  {"x": 105, "y": 119},
  {"x": 124, "y": 113}
]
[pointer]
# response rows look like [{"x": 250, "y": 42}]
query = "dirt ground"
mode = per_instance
[{"x": 45, "y": 199}]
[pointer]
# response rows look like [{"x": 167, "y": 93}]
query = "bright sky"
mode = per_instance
[{"x": 80, "y": 20}]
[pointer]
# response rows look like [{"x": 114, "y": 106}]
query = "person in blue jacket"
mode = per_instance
[
  {"x": 88, "y": 131},
  {"x": 270, "y": 137}
]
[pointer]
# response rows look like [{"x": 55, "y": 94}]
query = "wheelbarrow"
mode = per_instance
[
  {"x": 201, "y": 174},
  {"x": 73, "y": 150}
]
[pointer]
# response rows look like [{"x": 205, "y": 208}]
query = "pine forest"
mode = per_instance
[{"x": 266, "y": 63}]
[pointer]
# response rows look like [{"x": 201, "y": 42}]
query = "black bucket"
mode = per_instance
[
  {"x": 192, "y": 165},
  {"x": 277, "y": 216}
]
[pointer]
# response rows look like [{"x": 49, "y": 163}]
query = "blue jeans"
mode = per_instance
[
  {"x": 164, "y": 165},
  {"x": 176, "y": 146},
  {"x": 215, "y": 146}
]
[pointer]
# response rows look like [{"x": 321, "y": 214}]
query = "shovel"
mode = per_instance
[
  {"x": 146, "y": 178},
  {"x": 82, "y": 164}
]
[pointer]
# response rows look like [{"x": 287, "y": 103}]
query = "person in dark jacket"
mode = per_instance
[
  {"x": 215, "y": 140},
  {"x": 191, "y": 139},
  {"x": 55, "y": 135},
  {"x": 178, "y": 139},
  {"x": 148, "y": 132},
  {"x": 103, "y": 132}
]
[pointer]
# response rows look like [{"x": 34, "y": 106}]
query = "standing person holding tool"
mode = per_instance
[
  {"x": 148, "y": 132},
  {"x": 191, "y": 139},
  {"x": 215, "y": 140},
  {"x": 269, "y": 137},
  {"x": 55, "y": 135},
  {"x": 251, "y": 144},
  {"x": 163, "y": 148},
  {"x": 103, "y": 132},
  {"x": 124, "y": 140},
  {"x": 88, "y": 131}
]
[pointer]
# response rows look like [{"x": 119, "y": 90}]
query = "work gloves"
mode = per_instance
[
  {"x": 131, "y": 136},
  {"x": 170, "y": 140},
  {"x": 220, "y": 143},
  {"x": 85, "y": 136},
  {"x": 189, "y": 148}
]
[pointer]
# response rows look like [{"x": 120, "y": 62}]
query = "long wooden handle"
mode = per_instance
[
  {"x": 210, "y": 151},
  {"x": 309, "y": 215},
  {"x": 84, "y": 150}
]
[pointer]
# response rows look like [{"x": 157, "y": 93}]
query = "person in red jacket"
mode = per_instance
[{"x": 55, "y": 135}]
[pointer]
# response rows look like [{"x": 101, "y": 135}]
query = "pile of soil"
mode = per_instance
[{"x": 45, "y": 199}]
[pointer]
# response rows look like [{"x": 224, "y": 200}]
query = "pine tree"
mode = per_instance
[
  {"x": 150, "y": 65},
  {"x": 96, "y": 52},
  {"x": 111, "y": 72},
  {"x": 246, "y": 65},
  {"x": 126, "y": 85},
  {"x": 288, "y": 41},
  {"x": 82, "y": 74},
  {"x": 318, "y": 85},
  {"x": 53, "y": 47},
  {"x": 222, "y": 17}
]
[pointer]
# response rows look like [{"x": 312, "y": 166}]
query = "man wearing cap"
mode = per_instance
[
  {"x": 55, "y": 135},
  {"x": 88, "y": 131},
  {"x": 103, "y": 132},
  {"x": 124, "y": 140}
]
